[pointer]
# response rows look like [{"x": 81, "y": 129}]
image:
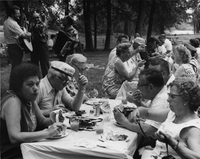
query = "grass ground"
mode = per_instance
[{"x": 94, "y": 74}]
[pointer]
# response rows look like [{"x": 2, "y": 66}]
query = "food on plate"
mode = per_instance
[
  {"x": 80, "y": 112},
  {"x": 114, "y": 136}
]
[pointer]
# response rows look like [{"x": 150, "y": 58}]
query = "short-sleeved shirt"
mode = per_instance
[
  {"x": 48, "y": 97},
  {"x": 12, "y": 31},
  {"x": 159, "y": 102},
  {"x": 168, "y": 45}
]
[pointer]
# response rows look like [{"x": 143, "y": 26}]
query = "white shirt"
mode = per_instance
[
  {"x": 48, "y": 98},
  {"x": 159, "y": 102},
  {"x": 12, "y": 31},
  {"x": 168, "y": 45}
]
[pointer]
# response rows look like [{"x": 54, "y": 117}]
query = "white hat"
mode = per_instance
[
  {"x": 63, "y": 67},
  {"x": 79, "y": 58},
  {"x": 139, "y": 40}
]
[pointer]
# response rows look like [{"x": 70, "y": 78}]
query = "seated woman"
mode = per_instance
[
  {"x": 182, "y": 57},
  {"x": 116, "y": 73},
  {"x": 181, "y": 125},
  {"x": 20, "y": 114}
]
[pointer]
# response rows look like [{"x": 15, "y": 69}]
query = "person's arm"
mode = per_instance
[
  {"x": 148, "y": 113},
  {"x": 42, "y": 120},
  {"x": 147, "y": 129},
  {"x": 121, "y": 70},
  {"x": 179, "y": 72},
  {"x": 12, "y": 114},
  {"x": 75, "y": 103},
  {"x": 191, "y": 137}
]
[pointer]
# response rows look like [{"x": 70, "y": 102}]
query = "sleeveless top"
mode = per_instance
[
  {"x": 174, "y": 130},
  {"x": 112, "y": 81},
  {"x": 28, "y": 124},
  {"x": 188, "y": 71}
]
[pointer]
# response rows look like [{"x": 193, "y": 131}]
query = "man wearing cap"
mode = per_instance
[
  {"x": 52, "y": 92},
  {"x": 78, "y": 62},
  {"x": 12, "y": 32},
  {"x": 40, "y": 54}
]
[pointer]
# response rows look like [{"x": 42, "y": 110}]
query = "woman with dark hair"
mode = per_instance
[
  {"x": 116, "y": 72},
  {"x": 20, "y": 114},
  {"x": 181, "y": 125}
]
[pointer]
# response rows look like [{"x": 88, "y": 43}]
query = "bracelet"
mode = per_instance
[{"x": 175, "y": 147}]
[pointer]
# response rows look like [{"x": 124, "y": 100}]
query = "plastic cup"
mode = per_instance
[{"x": 74, "y": 122}]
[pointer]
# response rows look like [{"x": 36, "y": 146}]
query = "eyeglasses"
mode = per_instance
[
  {"x": 173, "y": 95},
  {"x": 64, "y": 81},
  {"x": 142, "y": 85}
]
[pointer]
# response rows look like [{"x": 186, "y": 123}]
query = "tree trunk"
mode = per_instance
[
  {"x": 153, "y": 7},
  {"x": 88, "y": 33},
  {"x": 126, "y": 27},
  {"x": 108, "y": 32},
  {"x": 67, "y": 7},
  {"x": 95, "y": 26},
  {"x": 141, "y": 16}
]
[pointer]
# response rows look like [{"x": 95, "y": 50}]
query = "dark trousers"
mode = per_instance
[
  {"x": 40, "y": 55},
  {"x": 15, "y": 54}
]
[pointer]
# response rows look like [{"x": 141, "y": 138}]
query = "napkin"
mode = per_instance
[
  {"x": 56, "y": 116},
  {"x": 120, "y": 146},
  {"x": 87, "y": 143}
]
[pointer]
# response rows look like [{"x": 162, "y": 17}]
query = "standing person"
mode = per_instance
[
  {"x": 20, "y": 115},
  {"x": 12, "y": 31},
  {"x": 40, "y": 54},
  {"x": 72, "y": 38}
]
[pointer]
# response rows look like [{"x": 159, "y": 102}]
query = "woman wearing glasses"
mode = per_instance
[{"x": 181, "y": 125}]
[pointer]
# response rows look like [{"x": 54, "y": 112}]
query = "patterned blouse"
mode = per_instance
[
  {"x": 112, "y": 81},
  {"x": 28, "y": 124}
]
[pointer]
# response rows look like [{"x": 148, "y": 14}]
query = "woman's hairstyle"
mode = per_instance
[
  {"x": 21, "y": 73},
  {"x": 119, "y": 39},
  {"x": 153, "y": 76},
  {"x": 183, "y": 52},
  {"x": 121, "y": 48},
  {"x": 194, "y": 42},
  {"x": 189, "y": 91}
]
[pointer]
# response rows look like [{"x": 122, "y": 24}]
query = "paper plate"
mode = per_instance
[{"x": 59, "y": 136}]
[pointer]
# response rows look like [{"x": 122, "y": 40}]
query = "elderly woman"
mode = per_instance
[
  {"x": 116, "y": 73},
  {"x": 182, "y": 57},
  {"x": 181, "y": 125},
  {"x": 20, "y": 114}
]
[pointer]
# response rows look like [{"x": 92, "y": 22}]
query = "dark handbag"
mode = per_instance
[{"x": 168, "y": 156}]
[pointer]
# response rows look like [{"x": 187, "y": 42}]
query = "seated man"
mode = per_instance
[
  {"x": 52, "y": 92},
  {"x": 78, "y": 62},
  {"x": 151, "y": 84}
]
